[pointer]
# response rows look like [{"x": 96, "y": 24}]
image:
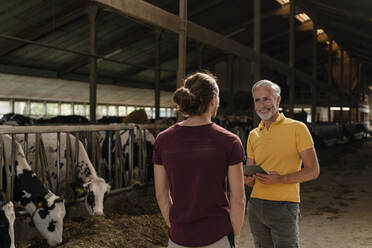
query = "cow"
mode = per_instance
[
  {"x": 46, "y": 209},
  {"x": 86, "y": 182},
  {"x": 16, "y": 120},
  {"x": 124, "y": 138},
  {"x": 7, "y": 218}
]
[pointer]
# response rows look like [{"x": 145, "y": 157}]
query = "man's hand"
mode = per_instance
[
  {"x": 249, "y": 180},
  {"x": 272, "y": 177}
]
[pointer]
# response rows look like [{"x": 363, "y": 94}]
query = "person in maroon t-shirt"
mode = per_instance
[{"x": 193, "y": 160}]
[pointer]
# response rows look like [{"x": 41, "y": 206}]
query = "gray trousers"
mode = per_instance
[
  {"x": 274, "y": 224},
  {"x": 226, "y": 242}
]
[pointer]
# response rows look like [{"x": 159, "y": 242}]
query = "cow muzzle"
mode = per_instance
[{"x": 98, "y": 213}]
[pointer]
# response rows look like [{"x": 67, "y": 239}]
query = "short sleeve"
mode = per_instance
[
  {"x": 156, "y": 154},
  {"x": 237, "y": 154},
  {"x": 250, "y": 153},
  {"x": 303, "y": 137}
]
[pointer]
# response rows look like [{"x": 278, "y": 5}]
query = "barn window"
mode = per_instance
[
  {"x": 52, "y": 109},
  {"x": 112, "y": 111},
  {"x": 148, "y": 111},
  {"x": 79, "y": 109},
  {"x": 130, "y": 109},
  {"x": 37, "y": 109},
  {"x": 122, "y": 110},
  {"x": 66, "y": 109},
  {"x": 163, "y": 112},
  {"x": 101, "y": 111},
  {"x": 87, "y": 111},
  {"x": 20, "y": 108},
  {"x": 4, "y": 107}
]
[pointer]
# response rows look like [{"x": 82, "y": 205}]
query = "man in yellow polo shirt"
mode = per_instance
[{"x": 279, "y": 145}]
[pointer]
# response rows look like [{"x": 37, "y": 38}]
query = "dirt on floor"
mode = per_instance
[{"x": 335, "y": 208}]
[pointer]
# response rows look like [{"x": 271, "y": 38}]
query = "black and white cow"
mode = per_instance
[
  {"x": 7, "y": 218},
  {"x": 94, "y": 187},
  {"x": 124, "y": 138},
  {"x": 47, "y": 210}
]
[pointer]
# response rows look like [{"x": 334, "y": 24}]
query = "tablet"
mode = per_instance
[{"x": 250, "y": 170}]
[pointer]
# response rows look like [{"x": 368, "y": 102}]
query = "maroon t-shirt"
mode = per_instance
[{"x": 196, "y": 159}]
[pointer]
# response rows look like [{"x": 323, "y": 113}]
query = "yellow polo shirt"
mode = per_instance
[{"x": 278, "y": 149}]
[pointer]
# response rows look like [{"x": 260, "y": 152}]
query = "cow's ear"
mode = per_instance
[
  {"x": 86, "y": 185},
  {"x": 108, "y": 187}
]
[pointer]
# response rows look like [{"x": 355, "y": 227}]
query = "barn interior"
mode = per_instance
[
  {"x": 320, "y": 54},
  {"x": 107, "y": 58}
]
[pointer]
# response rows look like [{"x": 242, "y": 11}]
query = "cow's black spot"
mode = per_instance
[
  {"x": 4, "y": 230},
  {"x": 90, "y": 199},
  {"x": 43, "y": 213},
  {"x": 51, "y": 226}
]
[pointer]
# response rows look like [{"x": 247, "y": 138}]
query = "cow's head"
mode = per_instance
[
  {"x": 48, "y": 218},
  {"x": 7, "y": 218},
  {"x": 96, "y": 192}
]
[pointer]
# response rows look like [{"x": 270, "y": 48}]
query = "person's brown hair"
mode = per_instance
[{"x": 198, "y": 91}]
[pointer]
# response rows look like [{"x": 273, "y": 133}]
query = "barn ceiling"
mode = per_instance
[{"x": 29, "y": 30}]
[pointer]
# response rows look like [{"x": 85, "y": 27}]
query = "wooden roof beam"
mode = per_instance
[
  {"x": 33, "y": 33},
  {"x": 133, "y": 36},
  {"x": 153, "y": 15}
]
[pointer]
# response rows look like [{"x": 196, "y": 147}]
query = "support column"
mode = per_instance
[
  {"x": 257, "y": 39},
  {"x": 330, "y": 65},
  {"x": 350, "y": 86},
  {"x": 157, "y": 73},
  {"x": 92, "y": 14},
  {"x": 257, "y": 51},
  {"x": 182, "y": 41},
  {"x": 200, "y": 56},
  {"x": 314, "y": 73},
  {"x": 182, "y": 38},
  {"x": 230, "y": 80},
  {"x": 358, "y": 90},
  {"x": 291, "y": 78},
  {"x": 342, "y": 77}
]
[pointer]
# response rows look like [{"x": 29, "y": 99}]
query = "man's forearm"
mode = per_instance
[
  {"x": 165, "y": 202},
  {"x": 237, "y": 212},
  {"x": 305, "y": 174}
]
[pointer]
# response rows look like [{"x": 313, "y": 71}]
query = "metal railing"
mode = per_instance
[{"x": 123, "y": 178}]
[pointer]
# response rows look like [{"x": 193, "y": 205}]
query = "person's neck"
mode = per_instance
[
  {"x": 197, "y": 120},
  {"x": 271, "y": 120}
]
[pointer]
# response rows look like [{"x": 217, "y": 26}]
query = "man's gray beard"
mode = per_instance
[{"x": 270, "y": 114}]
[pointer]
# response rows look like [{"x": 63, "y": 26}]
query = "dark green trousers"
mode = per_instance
[{"x": 274, "y": 224}]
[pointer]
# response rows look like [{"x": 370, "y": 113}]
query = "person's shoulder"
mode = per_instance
[
  {"x": 294, "y": 123},
  {"x": 167, "y": 132},
  {"x": 222, "y": 132}
]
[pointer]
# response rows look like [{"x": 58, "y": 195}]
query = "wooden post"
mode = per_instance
[
  {"x": 342, "y": 78},
  {"x": 291, "y": 78},
  {"x": 330, "y": 62},
  {"x": 350, "y": 86},
  {"x": 257, "y": 51},
  {"x": 230, "y": 81},
  {"x": 182, "y": 41},
  {"x": 157, "y": 73},
  {"x": 92, "y": 14},
  {"x": 200, "y": 56},
  {"x": 314, "y": 73}
]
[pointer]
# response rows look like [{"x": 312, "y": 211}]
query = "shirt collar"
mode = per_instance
[{"x": 277, "y": 121}]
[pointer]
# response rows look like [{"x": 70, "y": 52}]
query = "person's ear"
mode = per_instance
[{"x": 278, "y": 100}]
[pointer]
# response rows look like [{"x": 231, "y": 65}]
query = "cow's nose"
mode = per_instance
[{"x": 98, "y": 213}]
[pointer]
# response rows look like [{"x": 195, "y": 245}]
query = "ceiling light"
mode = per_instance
[
  {"x": 319, "y": 31},
  {"x": 335, "y": 108},
  {"x": 303, "y": 17},
  {"x": 283, "y": 2}
]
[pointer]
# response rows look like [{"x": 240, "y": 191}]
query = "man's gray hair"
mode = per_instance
[{"x": 275, "y": 89}]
